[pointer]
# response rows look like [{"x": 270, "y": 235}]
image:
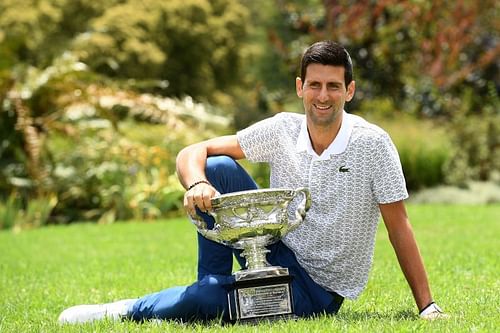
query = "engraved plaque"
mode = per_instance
[{"x": 264, "y": 301}]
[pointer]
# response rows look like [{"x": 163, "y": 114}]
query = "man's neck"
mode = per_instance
[{"x": 322, "y": 136}]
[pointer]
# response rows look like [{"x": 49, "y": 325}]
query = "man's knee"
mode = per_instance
[
  {"x": 219, "y": 166},
  {"x": 226, "y": 175},
  {"x": 210, "y": 296}
]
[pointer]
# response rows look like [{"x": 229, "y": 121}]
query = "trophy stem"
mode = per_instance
[{"x": 255, "y": 255}]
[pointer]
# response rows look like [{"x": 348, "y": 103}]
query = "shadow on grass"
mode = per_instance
[
  {"x": 347, "y": 317},
  {"x": 358, "y": 316}
]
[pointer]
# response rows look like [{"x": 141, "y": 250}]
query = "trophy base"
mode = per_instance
[
  {"x": 260, "y": 320},
  {"x": 261, "y": 295}
]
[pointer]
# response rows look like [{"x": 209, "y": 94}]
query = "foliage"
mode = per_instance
[
  {"x": 476, "y": 138},
  {"x": 422, "y": 166},
  {"x": 78, "y": 75},
  {"x": 193, "y": 47},
  {"x": 60, "y": 117},
  {"x": 65, "y": 142},
  {"x": 36, "y": 32},
  {"x": 47, "y": 270},
  {"x": 36, "y": 213},
  {"x": 9, "y": 212},
  {"x": 418, "y": 53},
  {"x": 105, "y": 176},
  {"x": 430, "y": 59},
  {"x": 276, "y": 40}
]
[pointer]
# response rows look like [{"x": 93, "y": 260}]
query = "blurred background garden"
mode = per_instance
[{"x": 97, "y": 97}]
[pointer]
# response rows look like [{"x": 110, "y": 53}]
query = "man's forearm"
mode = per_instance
[
  {"x": 190, "y": 164},
  {"x": 411, "y": 264},
  {"x": 191, "y": 160}
]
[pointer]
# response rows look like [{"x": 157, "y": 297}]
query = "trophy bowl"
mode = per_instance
[{"x": 251, "y": 220}]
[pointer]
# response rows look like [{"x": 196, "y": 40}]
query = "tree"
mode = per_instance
[
  {"x": 419, "y": 50},
  {"x": 432, "y": 59},
  {"x": 177, "y": 47}
]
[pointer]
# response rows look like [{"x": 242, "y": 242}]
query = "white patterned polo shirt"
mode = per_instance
[{"x": 359, "y": 170}]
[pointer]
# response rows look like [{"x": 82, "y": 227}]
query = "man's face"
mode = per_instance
[{"x": 324, "y": 93}]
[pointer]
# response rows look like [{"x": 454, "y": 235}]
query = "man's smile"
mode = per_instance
[{"x": 322, "y": 107}]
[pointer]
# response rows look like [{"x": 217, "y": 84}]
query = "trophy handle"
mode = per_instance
[
  {"x": 302, "y": 208},
  {"x": 201, "y": 226}
]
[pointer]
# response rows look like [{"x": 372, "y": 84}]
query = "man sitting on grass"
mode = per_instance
[{"x": 353, "y": 172}]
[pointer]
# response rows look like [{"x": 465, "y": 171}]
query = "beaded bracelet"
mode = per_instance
[{"x": 199, "y": 182}]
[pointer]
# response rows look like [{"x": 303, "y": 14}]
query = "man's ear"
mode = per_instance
[
  {"x": 298, "y": 86},
  {"x": 351, "y": 88}
]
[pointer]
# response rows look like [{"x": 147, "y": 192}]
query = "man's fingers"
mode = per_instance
[
  {"x": 207, "y": 200},
  {"x": 189, "y": 204},
  {"x": 199, "y": 202},
  {"x": 199, "y": 197}
]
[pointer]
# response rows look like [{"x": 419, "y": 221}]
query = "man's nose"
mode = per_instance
[{"x": 323, "y": 94}]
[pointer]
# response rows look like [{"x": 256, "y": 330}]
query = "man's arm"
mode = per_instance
[
  {"x": 405, "y": 246},
  {"x": 191, "y": 163}
]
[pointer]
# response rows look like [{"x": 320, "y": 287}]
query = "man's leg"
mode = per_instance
[
  {"x": 205, "y": 299},
  {"x": 91, "y": 312},
  {"x": 227, "y": 176},
  {"x": 309, "y": 298}
]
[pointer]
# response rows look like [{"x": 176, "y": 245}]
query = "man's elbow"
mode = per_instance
[
  {"x": 181, "y": 155},
  {"x": 187, "y": 151}
]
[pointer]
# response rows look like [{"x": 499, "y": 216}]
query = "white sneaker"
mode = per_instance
[
  {"x": 433, "y": 311},
  {"x": 87, "y": 313}
]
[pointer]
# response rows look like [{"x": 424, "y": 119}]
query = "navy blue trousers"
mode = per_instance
[{"x": 206, "y": 299}]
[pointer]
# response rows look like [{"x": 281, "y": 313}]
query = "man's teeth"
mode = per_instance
[{"x": 321, "y": 107}]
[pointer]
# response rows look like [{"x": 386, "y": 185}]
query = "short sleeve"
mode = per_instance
[
  {"x": 261, "y": 140},
  {"x": 388, "y": 180}
]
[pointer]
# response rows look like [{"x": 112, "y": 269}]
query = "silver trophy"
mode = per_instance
[{"x": 249, "y": 221}]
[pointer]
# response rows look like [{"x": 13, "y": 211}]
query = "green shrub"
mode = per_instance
[
  {"x": 38, "y": 210},
  {"x": 106, "y": 177},
  {"x": 34, "y": 213},
  {"x": 193, "y": 47},
  {"x": 422, "y": 165},
  {"x": 104, "y": 152},
  {"x": 476, "y": 141},
  {"x": 9, "y": 212}
]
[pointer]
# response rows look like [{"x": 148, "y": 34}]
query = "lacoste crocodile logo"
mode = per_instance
[{"x": 343, "y": 169}]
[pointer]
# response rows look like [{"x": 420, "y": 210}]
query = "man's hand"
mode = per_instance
[
  {"x": 432, "y": 311},
  {"x": 199, "y": 195}
]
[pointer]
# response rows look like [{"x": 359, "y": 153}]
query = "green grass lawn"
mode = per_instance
[{"x": 46, "y": 270}]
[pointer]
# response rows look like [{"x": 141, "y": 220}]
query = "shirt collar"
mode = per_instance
[{"x": 338, "y": 145}]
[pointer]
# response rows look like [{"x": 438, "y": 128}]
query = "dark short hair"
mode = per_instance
[{"x": 327, "y": 52}]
